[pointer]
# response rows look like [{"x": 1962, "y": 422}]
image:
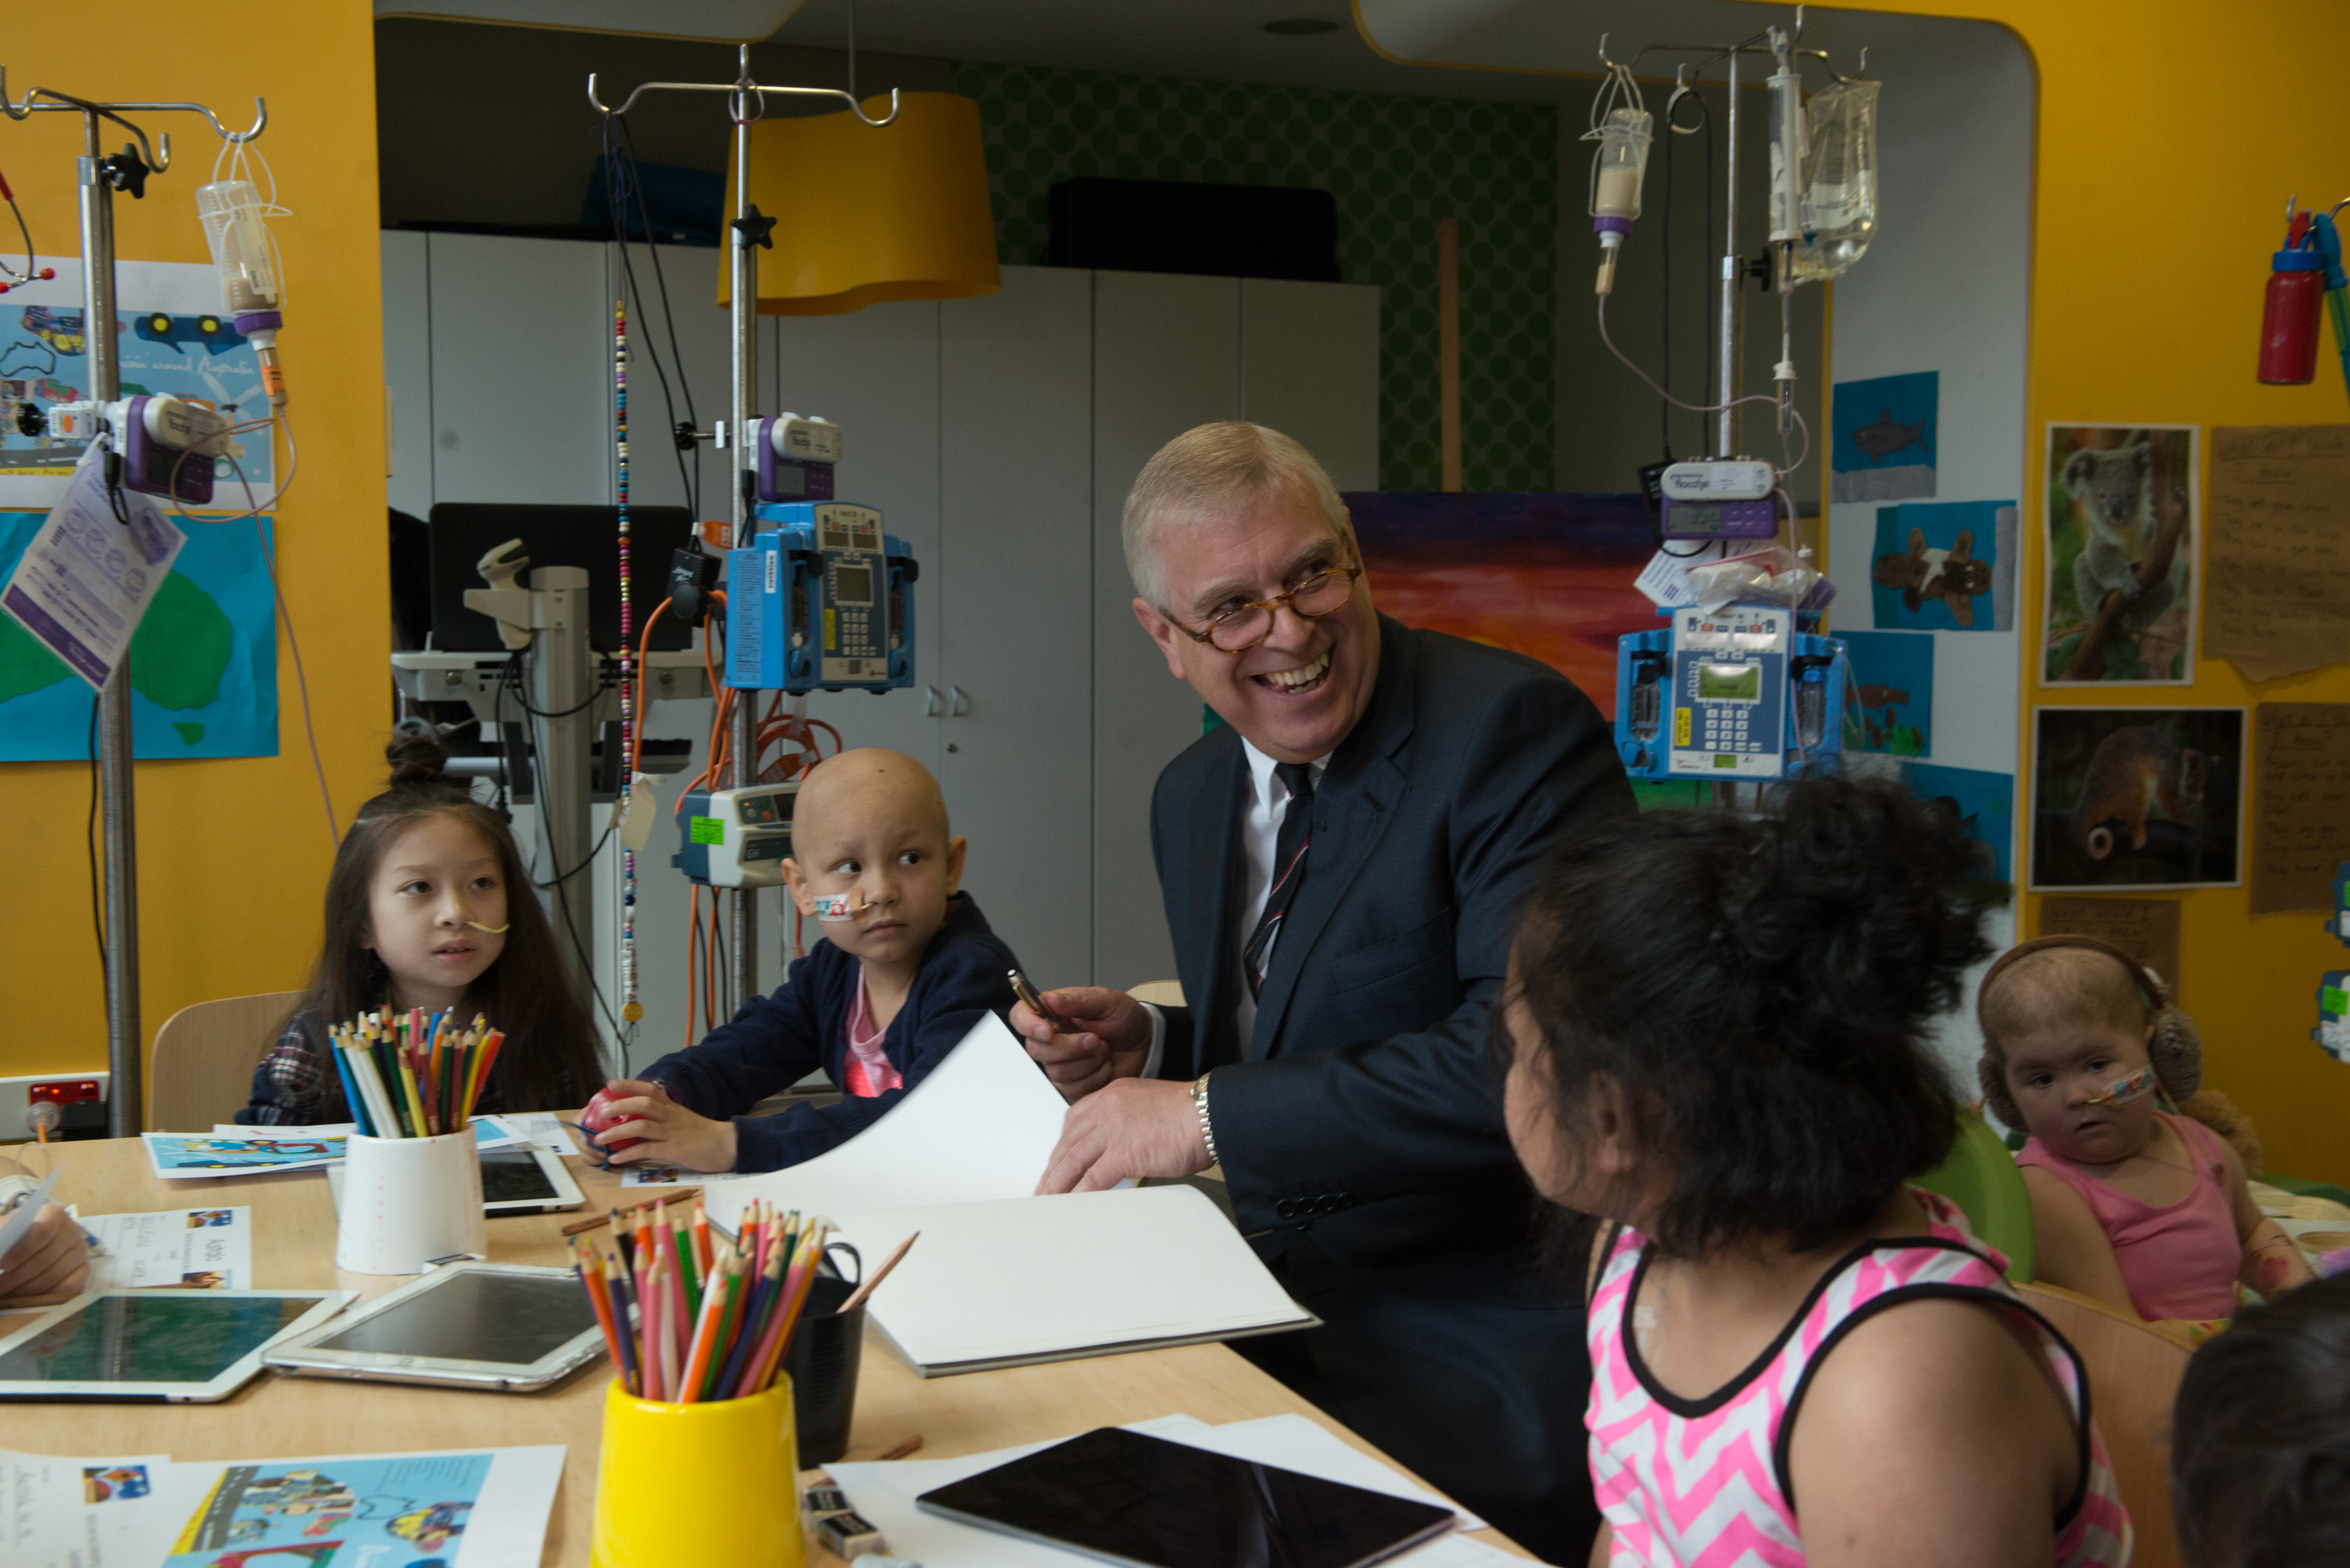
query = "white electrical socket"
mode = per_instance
[{"x": 16, "y": 1094}]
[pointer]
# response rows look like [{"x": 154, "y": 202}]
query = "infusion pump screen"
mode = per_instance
[
  {"x": 1730, "y": 683},
  {"x": 852, "y": 584}
]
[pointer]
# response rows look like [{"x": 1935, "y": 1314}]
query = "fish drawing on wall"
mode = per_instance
[
  {"x": 1882, "y": 438},
  {"x": 1888, "y": 436}
]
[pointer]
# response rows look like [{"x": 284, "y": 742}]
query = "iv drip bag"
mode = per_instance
[
  {"x": 231, "y": 211},
  {"x": 1787, "y": 159},
  {"x": 1839, "y": 216},
  {"x": 1617, "y": 168}
]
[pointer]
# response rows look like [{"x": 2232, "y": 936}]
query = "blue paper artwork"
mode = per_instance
[
  {"x": 1981, "y": 803},
  {"x": 204, "y": 663},
  {"x": 1888, "y": 694},
  {"x": 400, "y": 1510},
  {"x": 1945, "y": 566},
  {"x": 1881, "y": 444}
]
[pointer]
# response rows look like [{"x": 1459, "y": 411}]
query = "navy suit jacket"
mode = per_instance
[
  {"x": 1366, "y": 1107},
  {"x": 776, "y": 1040}
]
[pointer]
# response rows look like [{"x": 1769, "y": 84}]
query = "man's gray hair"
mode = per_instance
[{"x": 1203, "y": 472}]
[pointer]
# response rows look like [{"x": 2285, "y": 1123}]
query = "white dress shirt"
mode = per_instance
[{"x": 1260, "y": 814}]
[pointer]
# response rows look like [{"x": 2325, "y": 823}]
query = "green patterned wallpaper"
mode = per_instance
[{"x": 1395, "y": 165}]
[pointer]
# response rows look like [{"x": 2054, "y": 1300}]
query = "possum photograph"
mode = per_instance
[
  {"x": 2121, "y": 555},
  {"x": 2137, "y": 797}
]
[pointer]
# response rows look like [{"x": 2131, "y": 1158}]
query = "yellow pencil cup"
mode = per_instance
[{"x": 699, "y": 1484}]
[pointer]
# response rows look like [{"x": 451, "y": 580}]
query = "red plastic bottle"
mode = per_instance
[{"x": 2289, "y": 318}]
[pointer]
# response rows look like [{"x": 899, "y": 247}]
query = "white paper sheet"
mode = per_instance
[
  {"x": 884, "y": 1492},
  {"x": 58, "y": 1511},
  {"x": 982, "y": 1124},
  {"x": 1039, "y": 1276},
  {"x": 207, "y": 1247}
]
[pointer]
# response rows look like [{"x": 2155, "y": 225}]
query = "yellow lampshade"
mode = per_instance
[{"x": 865, "y": 215}]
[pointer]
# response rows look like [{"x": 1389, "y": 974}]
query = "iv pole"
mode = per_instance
[
  {"x": 1731, "y": 337},
  {"x": 746, "y": 103},
  {"x": 101, "y": 177}
]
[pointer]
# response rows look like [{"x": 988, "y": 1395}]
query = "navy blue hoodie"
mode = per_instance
[{"x": 776, "y": 1040}]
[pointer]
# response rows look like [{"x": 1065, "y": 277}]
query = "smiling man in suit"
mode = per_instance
[{"x": 1341, "y": 861}]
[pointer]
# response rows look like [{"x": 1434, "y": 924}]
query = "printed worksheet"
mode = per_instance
[
  {"x": 58, "y": 1511},
  {"x": 487, "y": 1509},
  {"x": 209, "y": 1249},
  {"x": 179, "y": 1157}
]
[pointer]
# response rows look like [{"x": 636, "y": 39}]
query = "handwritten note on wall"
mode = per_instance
[
  {"x": 2301, "y": 804},
  {"x": 2277, "y": 594},
  {"x": 2146, "y": 929}
]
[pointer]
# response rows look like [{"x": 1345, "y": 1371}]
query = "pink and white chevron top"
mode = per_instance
[{"x": 1703, "y": 1483}]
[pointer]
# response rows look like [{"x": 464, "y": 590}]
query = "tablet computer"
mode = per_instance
[
  {"x": 524, "y": 1178},
  {"x": 1127, "y": 1498},
  {"x": 502, "y": 1327},
  {"x": 183, "y": 1346},
  {"x": 521, "y": 1178}
]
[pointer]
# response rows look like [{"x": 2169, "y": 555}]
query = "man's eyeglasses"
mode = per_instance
[{"x": 1244, "y": 626}]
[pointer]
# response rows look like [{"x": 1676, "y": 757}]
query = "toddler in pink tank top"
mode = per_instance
[
  {"x": 2147, "y": 1211},
  {"x": 1714, "y": 1026}
]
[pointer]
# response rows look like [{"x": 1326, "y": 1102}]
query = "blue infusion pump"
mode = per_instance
[
  {"x": 1735, "y": 693},
  {"x": 821, "y": 600}
]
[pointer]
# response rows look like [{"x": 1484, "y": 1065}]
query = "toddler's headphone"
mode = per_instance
[{"x": 2176, "y": 1048}]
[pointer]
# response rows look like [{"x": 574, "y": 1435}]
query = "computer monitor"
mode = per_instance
[{"x": 463, "y": 532}]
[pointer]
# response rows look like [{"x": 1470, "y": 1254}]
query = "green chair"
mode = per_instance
[{"x": 1981, "y": 1177}]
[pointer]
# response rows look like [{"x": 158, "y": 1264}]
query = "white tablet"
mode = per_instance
[
  {"x": 526, "y": 1179},
  {"x": 501, "y": 1327},
  {"x": 521, "y": 1178},
  {"x": 183, "y": 1345}
]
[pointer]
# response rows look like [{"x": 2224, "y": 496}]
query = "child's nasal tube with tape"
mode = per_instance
[
  {"x": 2122, "y": 1091},
  {"x": 834, "y": 907}
]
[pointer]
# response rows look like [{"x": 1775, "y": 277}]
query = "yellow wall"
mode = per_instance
[
  {"x": 2153, "y": 229},
  {"x": 232, "y": 854}
]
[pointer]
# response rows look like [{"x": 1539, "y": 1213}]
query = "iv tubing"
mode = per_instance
[{"x": 1705, "y": 407}]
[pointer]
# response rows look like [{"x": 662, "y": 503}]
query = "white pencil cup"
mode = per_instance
[{"x": 407, "y": 1200}]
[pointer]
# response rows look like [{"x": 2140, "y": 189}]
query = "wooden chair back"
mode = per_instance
[
  {"x": 2134, "y": 1373},
  {"x": 199, "y": 1070}
]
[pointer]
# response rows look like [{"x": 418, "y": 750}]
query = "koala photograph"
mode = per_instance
[
  {"x": 2137, "y": 797},
  {"x": 2121, "y": 554}
]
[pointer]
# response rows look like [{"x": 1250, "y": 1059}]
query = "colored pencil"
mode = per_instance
[
  {"x": 358, "y": 1106},
  {"x": 679, "y": 1345},
  {"x": 872, "y": 1281}
]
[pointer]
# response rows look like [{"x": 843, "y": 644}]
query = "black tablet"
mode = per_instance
[{"x": 1127, "y": 1498}]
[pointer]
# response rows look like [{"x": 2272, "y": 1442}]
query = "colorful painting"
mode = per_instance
[
  {"x": 1548, "y": 575},
  {"x": 402, "y": 1510},
  {"x": 1981, "y": 803},
  {"x": 2121, "y": 555},
  {"x": 1945, "y": 566},
  {"x": 1882, "y": 438},
  {"x": 1888, "y": 692},
  {"x": 2137, "y": 797}
]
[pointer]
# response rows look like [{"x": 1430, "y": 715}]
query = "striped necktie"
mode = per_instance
[{"x": 1288, "y": 870}]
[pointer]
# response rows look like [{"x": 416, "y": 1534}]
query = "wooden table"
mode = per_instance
[{"x": 284, "y": 1417}]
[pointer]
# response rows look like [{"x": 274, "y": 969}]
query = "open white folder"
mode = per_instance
[{"x": 1000, "y": 1277}]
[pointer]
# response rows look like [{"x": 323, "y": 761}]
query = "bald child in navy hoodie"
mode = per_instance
[{"x": 906, "y": 967}]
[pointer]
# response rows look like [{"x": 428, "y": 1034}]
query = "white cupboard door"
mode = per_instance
[
  {"x": 1166, "y": 358},
  {"x": 1310, "y": 368},
  {"x": 522, "y": 371},
  {"x": 1014, "y": 584}
]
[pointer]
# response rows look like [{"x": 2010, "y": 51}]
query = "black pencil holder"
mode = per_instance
[{"x": 822, "y": 1358}]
